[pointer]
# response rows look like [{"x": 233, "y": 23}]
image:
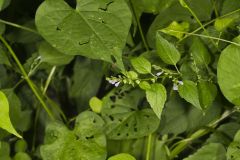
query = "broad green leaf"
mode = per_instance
[
  {"x": 229, "y": 6},
  {"x": 122, "y": 156},
  {"x": 124, "y": 118},
  {"x": 174, "y": 116},
  {"x": 96, "y": 29},
  {"x": 52, "y": 56},
  {"x": 156, "y": 97},
  {"x": 167, "y": 51},
  {"x": 233, "y": 151},
  {"x": 181, "y": 27},
  {"x": 95, "y": 104},
  {"x": 189, "y": 92},
  {"x": 85, "y": 142},
  {"x": 211, "y": 151},
  {"x": 200, "y": 53},
  {"x": 207, "y": 92},
  {"x": 228, "y": 73},
  {"x": 20, "y": 146},
  {"x": 5, "y": 121},
  {"x": 141, "y": 65}
]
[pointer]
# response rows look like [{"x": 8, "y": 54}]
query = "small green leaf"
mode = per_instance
[
  {"x": 4, "y": 4},
  {"x": 207, "y": 92},
  {"x": 211, "y": 151},
  {"x": 21, "y": 156},
  {"x": 144, "y": 85},
  {"x": 200, "y": 53},
  {"x": 122, "y": 156},
  {"x": 183, "y": 3},
  {"x": 95, "y": 104},
  {"x": 5, "y": 121},
  {"x": 222, "y": 23},
  {"x": 141, "y": 65},
  {"x": 228, "y": 73},
  {"x": 189, "y": 92},
  {"x": 156, "y": 96},
  {"x": 182, "y": 27},
  {"x": 167, "y": 51}
]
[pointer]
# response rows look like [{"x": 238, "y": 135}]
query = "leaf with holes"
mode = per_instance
[
  {"x": 124, "y": 118},
  {"x": 96, "y": 29},
  {"x": 85, "y": 142},
  {"x": 5, "y": 122},
  {"x": 156, "y": 97},
  {"x": 167, "y": 51}
]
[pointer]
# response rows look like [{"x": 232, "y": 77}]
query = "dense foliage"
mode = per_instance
[{"x": 120, "y": 79}]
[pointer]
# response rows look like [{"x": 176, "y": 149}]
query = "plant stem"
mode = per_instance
[
  {"x": 199, "y": 133},
  {"x": 49, "y": 80},
  {"x": 149, "y": 144},
  {"x": 30, "y": 83},
  {"x": 18, "y": 26},
  {"x": 139, "y": 27},
  {"x": 205, "y": 36}
]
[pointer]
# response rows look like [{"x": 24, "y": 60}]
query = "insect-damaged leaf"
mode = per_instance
[
  {"x": 96, "y": 29},
  {"x": 5, "y": 121},
  {"x": 85, "y": 142},
  {"x": 124, "y": 118}
]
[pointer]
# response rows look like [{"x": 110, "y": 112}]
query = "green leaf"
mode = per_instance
[
  {"x": 21, "y": 156},
  {"x": 141, "y": 65},
  {"x": 144, "y": 85},
  {"x": 96, "y": 29},
  {"x": 211, "y": 151},
  {"x": 228, "y": 73},
  {"x": 167, "y": 51},
  {"x": 86, "y": 141},
  {"x": 95, "y": 104},
  {"x": 122, "y": 156},
  {"x": 124, "y": 118},
  {"x": 189, "y": 92},
  {"x": 156, "y": 97},
  {"x": 5, "y": 121},
  {"x": 20, "y": 146},
  {"x": 200, "y": 53},
  {"x": 4, "y": 4},
  {"x": 182, "y": 27},
  {"x": 207, "y": 92},
  {"x": 52, "y": 56},
  {"x": 233, "y": 151},
  {"x": 222, "y": 23}
]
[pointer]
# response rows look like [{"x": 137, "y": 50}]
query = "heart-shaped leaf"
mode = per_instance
[
  {"x": 124, "y": 119},
  {"x": 96, "y": 29}
]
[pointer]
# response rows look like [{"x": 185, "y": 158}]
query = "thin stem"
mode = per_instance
[
  {"x": 30, "y": 83},
  {"x": 200, "y": 23},
  {"x": 205, "y": 36},
  {"x": 18, "y": 26},
  {"x": 149, "y": 143},
  {"x": 139, "y": 27},
  {"x": 210, "y": 22}
]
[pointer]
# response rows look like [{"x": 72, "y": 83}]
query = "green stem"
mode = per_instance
[
  {"x": 149, "y": 143},
  {"x": 18, "y": 26},
  {"x": 30, "y": 83},
  {"x": 201, "y": 132},
  {"x": 50, "y": 76},
  {"x": 199, "y": 22},
  {"x": 205, "y": 36},
  {"x": 139, "y": 27}
]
